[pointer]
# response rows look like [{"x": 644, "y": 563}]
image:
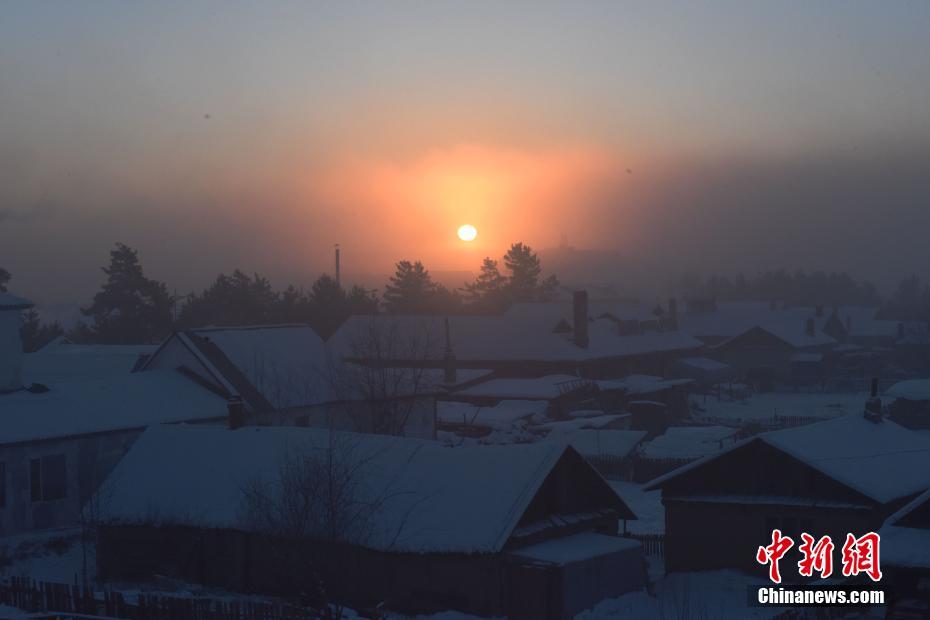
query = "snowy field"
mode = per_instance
[{"x": 55, "y": 556}]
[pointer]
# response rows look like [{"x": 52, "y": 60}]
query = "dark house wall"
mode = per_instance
[
  {"x": 85, "y": 461},
  {"x": 718, "y": 514}
]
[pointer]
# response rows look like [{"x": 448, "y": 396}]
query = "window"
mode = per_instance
[{"x": 48, "y": 478}]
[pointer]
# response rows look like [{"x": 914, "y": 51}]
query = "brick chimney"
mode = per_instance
[
  {"x": 450, "y": 374},
  {"x": 11, "y": 344},
  {"x": 580, "y": 313},
  {"x": 236, "y": 409}
]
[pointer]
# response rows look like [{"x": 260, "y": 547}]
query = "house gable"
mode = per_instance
[{"x": 757, "y": 469}]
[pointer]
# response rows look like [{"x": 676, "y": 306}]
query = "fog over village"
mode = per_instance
[{"x": 464, "y": 310}]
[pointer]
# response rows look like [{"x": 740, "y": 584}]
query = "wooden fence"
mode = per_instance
[
  {"x": 58, "y": 600},
  {"x": 653, "y": 544}
]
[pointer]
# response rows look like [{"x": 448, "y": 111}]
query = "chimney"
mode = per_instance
[
  {"x": 450, "y": 376},
  {"x": 673, "y": 313},
  {"x": 11, "y": 344},
  {"x": 580, "y": 307},
  {"x": 338, "y": 280},
  {"x": 809, "y": 327},
  {"x": 873, "y": 406},
  {"x": 236, "y": 409},
  {"x": 819, "y": 310}
]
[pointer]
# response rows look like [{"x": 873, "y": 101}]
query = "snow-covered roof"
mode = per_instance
[
  {"x": 504, "y": 338},
  {"x": 883, "y": 461},
  {"x": 577, "y": 548},
  {"x": 431, "y": 498},
  {"x": 502, "y": 416},
  {"x": 641, "y": 384},
  {"x": 595, "y": 442},
  {"x": 914, "y": 389},
  {"x": 906, "y": 545},
  {"x": 703, "y": 363},
  {"x": 60, "y": 361},
  {"x": 689, "y": 442},
  {"x": 287, "y": 364},
  {"x": 577, "y": 424},
  {"x": 548, "y": 387},
  {"x": 114, "y": 403},
  {"x": 9, "y": 301}
]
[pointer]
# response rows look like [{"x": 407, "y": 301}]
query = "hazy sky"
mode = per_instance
[{"x": 718, "y": 136}]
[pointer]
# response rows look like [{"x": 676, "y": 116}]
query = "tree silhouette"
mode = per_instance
[
  {"x": 232, "y": 300},
  {"x": 129, "y": 308},
  {"x": 489, "y": 288},
  {"x": 523, "y": 283},
  {"x": 410, "y": 290},
  {"x": 4, "y": 279},
  {"x": 36, "y": 334}
]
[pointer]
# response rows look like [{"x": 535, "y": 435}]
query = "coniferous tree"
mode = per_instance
[
  {"x": 36, "y": 334},
  {"x": 236, "y": 299},
  {"x": 488, "y": 289},
  {"x": 523, "y": 283},
  {"x": 410, "y": 289},
  {"x": 129, "y": 308}
]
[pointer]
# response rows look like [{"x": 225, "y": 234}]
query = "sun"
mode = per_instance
[{"x": 467, "y": 232}]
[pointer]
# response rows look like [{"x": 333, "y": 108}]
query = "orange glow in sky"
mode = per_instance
[{"x": 506, "y": 193}]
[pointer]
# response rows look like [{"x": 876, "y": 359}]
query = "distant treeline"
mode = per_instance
[
  {"x": 133, "y": 308},
  {"x": 909, "y": 302},
  {"x": 797, "y": 288}
]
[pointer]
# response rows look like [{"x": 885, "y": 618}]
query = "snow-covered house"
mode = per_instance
[
  {"x": 63, "y": 360},
  {"x": 285, "y": 374},
  {"x": 11, "y": 346},
  {"x": 57, "y": 443},
  {"x": 910, "y": 403},
  {"x": 521, "y": 344},
  {"x": 843, "y": 475},
  {"x": 492, "y": 530},
  {"x": 905, "y": 555}
]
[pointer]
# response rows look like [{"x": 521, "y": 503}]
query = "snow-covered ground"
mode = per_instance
[
  {"x": 55, "y": 556},
  {"x": 768, "y": 404},
  {"x": 710, "y": 595}
]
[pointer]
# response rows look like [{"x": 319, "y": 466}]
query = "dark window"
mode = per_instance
[
  {"x": 2, "y": 485},
  {"x": 49, "y": 478}
]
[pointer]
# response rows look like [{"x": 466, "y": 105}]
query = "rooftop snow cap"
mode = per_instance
[
  {"x": 580, "y": 308},
  {"x": 11, "y": 345},
  {"x": 873, "y": 406}
]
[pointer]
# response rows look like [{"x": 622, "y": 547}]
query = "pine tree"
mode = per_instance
[
  {"x": 232, "y": 300},
  {"x": 410, "y": 288},
  {"x": 36, "y": 334},
  {"x": 129, "y": 308},
  {"x": 488, "y": 288},
  {"x": 524, "y": 268}
]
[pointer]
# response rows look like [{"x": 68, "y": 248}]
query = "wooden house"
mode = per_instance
[
  {"x": 843, "y": 475},
  {"x": 525, "y": 531}
]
